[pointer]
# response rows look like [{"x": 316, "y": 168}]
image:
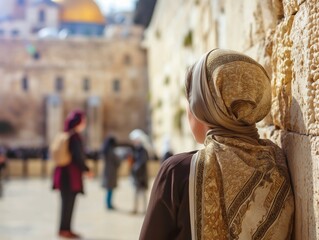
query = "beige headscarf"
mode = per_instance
[
  {"x": 239, "y": 185},
  {"x": 230, "y": 92}
]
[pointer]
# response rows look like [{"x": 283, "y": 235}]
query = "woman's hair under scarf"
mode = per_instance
[{"x": 229, "y": 92}]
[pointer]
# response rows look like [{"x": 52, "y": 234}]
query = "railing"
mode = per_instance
[
  {"x": 26, "y": 156},
  {"x": 21, "y": 162}
]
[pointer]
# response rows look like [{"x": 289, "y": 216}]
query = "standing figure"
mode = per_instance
[
  {"x": 139, "y": 172},
  {"x": 167, "y": 150},
  {"x": 68, "y": 177},
  {"x": 238, "y": 185},
  {"x": 110, "y": 173},
  {"x": 3, "y": 159}
]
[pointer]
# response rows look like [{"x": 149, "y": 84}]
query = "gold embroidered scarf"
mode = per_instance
[{"x": 239, "y": 184}]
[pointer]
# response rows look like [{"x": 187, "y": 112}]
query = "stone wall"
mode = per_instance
[
  {"x": 88, "y": 70},
  {"x": 283, "y": 36}
]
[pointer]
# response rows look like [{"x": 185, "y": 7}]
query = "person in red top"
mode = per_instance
[{"x": 68, "y": 179}]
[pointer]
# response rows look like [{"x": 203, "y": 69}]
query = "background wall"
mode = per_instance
[{"x": 42, "y": 80}]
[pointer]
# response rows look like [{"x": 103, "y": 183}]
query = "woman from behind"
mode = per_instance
[{"x": 237, "y": 186}]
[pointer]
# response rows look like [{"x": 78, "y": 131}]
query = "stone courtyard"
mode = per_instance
[{"x": 29, "y": 210}]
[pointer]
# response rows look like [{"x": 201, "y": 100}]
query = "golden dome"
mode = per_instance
[{"x": 80, "y": 11}]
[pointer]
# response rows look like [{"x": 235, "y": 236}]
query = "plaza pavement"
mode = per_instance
[{"x": 29, "y": 210}]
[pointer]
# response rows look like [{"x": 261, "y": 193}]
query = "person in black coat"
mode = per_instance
[
  {"x": 110, "y": 172},
  {"x": 3, "y": 158}
]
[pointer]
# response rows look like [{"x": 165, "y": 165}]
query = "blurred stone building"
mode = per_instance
[
  {"x": 70, "y": 62},
  {"x": 283, "y": 37}
]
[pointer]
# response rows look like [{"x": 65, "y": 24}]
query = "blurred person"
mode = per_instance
[
  {"x": 3, "y": 159},
  {"x": 68, "y": 178},
  {"x": 167, "y": 150},
  {"x": 145, "y": 141},
  {"x": 139, "y": 169},
  {"x": 110, "y": 172},
  {"x": 237, "y": 186}
]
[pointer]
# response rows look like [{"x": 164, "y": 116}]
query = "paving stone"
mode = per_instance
[{"x": 29, "y": 210}]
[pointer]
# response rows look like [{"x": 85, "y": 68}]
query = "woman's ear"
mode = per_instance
[{"x": 199, "y": 129}]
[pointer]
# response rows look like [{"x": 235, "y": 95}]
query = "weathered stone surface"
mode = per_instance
[
  {"x": 300, "y": 87},
  {"x": 278, "y": 8},
  {"x": 313, "y": 77},
  {"x": 305, "y": 84},
  {"x": 290, "y": 7},
  {"x": 303, "y": 157},
  {"x": 251, "y": 28},
  {"x": 282, "y": 74},
  {"x": 271, "y": 11}
]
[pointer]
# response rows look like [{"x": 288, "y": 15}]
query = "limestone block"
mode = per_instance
[
  {"x": 302, "y": 154},
  {"x": 304, "y": 111},
  {"x": 300, "y": 88},
  {"x": 303, "y": 158},
  {"x": 278, "y": 8},
  {"x": 251, "y": 28},
  {"x": 290, "y": 7},
  {"x": 262, "y": 52},
  {"x": 313, "y": 78},
  {"x": 282, "y": 74},
  {"x": 271, "y": 11}
]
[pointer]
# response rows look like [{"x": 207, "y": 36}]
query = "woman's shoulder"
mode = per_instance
[
  {"x": 174, "y": 175},
  {"x": 178, "y": 163}
]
